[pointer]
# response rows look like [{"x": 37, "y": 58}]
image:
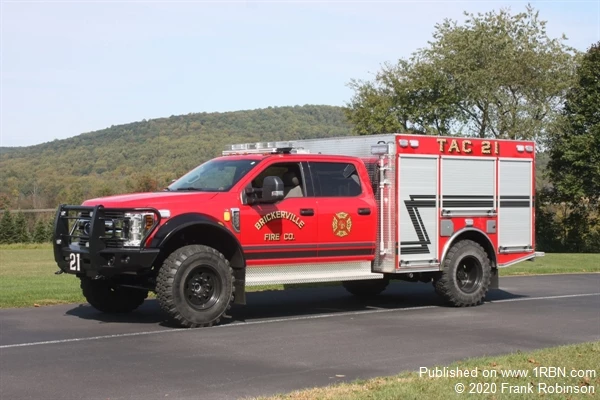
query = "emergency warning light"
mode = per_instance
[{"x": 263, "y": 148}]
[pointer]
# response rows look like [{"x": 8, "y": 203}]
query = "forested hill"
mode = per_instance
[{"x": 147, "y": 153}]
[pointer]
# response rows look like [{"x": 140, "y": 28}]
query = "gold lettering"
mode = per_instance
[
  {"x": 454, "y": 147},
  {"x": 272, "y": 237},
  {"x": 466, "y": 146},
  {"x": 279, "y": 215},
  {"x": 486, "y": 147},
  {"x": 442, "y": 142},
  {"x": 497, "y": 147},
  {"x": 288, "y": 236}
]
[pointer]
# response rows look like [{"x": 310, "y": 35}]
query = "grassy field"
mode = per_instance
[
  {"x": 27, "y": 275},
  {"x": 581, "y": 359}
]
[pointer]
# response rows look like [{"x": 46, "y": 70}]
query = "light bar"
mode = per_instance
[{"x": 261, "y": 148}]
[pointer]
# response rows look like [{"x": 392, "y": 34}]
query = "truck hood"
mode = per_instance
[{"x": 155, "y": 199}]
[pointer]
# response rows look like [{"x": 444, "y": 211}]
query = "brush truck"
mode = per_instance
[{"x": 359, "y": 210}]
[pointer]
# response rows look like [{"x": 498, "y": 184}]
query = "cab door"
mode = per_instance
[
  {"x": 347, "y": 212},
  {"x": 284, "y": 232}
]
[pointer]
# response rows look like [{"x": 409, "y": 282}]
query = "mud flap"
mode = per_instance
[
  {"x": 495, "y": 281},
  {"x": 240, "y": 286}
]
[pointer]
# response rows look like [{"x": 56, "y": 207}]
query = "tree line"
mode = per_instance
[{"x": 18, "y": 228}]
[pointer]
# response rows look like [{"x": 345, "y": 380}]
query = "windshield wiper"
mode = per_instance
[{"x": 188, "y": 189}]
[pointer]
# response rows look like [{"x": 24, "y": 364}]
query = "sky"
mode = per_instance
[{"x": 70, "y": 67}]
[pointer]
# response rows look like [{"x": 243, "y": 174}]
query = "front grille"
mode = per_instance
[
  {"x": 111, "y": 233},
  {"x": 99, "y": 228}
]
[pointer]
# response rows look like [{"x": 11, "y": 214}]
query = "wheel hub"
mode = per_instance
[
  {"x": 469, "y": 274},
  {"x": 202, "y": 288}
]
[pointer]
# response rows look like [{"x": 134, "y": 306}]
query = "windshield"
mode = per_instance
[{"x": 217, "y": 175}]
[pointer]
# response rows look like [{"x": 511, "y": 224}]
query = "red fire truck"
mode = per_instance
[{"x": 360, "y": 210}]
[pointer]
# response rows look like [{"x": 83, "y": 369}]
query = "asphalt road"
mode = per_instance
[{"x": 282, "y": 341}]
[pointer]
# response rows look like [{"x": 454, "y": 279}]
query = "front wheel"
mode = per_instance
[
  {"x": 466, "y": 275},
  {"x": 195, "y": 286},
  {"x": 108, "y": 297}
]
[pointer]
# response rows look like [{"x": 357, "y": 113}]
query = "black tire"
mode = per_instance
[
  {"x": 366, "y": 288},
  {"x": 108, "y": 297},
  {"x": 195, "y": 286},
  {"x": 466, "y": 275}
]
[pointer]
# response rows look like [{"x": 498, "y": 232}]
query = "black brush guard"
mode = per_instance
[{"x": 99, "y": 252}]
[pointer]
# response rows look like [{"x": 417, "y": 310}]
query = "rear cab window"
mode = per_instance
[{"x": 335, "y": 179}]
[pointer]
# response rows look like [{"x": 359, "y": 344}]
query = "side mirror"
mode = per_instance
[
  {"x": 250, "y": 195},
  {"x": 272, "y": 190}
]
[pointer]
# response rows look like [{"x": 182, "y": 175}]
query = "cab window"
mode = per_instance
[
  {"x": 289, "y": 173},
  {"x": 335, "y": 179}
]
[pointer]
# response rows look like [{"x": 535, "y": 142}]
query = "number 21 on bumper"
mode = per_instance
[{"x": 75, "y": 264}]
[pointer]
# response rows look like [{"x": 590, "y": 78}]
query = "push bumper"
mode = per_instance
[
  {"x": 74, "y": 259},
  {"x": 92, "y": 254}
]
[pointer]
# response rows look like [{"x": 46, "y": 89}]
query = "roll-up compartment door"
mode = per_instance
[
  {"x": 468, "y": 186},
  {"x": 515, "y": 204},
  {"x": 417, "y": 208}
]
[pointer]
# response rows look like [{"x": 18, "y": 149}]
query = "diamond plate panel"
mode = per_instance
[{"x": 307, "y": 273}]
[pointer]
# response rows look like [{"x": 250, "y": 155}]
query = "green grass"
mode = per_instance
[
  {"x": 410, "y": 385},
  {"x": 27, "y": 278},
  {"x": 27, "y": 275},
  {"x": 555, "y": 263}
]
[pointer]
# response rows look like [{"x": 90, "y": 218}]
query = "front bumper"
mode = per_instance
[{"x": 98, "y": 253}]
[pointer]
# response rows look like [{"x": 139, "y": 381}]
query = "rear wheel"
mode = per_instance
[
  {"x": 195, "y": 286},
  {"x": 366, "y": 288},
  {"x": 106, "y": 296},
  {"x": 466, "y": 275}
]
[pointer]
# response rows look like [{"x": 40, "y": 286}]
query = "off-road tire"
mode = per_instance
[
  {"x": 366, "y": 288},
  {"x": 110, "y": 298},
  {"x": 466, "y": 275},
  {"x": 195, "y": 286}
]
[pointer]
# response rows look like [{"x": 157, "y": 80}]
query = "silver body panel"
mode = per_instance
[
  {"x": 306, "y": 273},
  {"x": 516, "y": 204},
  {"x": 418, "y": 209}
]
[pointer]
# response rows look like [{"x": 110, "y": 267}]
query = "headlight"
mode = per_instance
[{"x": 136, "y": 227}]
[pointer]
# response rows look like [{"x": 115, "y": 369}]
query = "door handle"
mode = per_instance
[
  {"x": 364, "y": 211},
  {"x": 307, "y": 212}
]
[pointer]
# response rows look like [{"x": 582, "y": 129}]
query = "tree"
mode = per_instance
[
  {"x": 49, "y": 231},
  {"x": 143, "y": 183},
  {"x": 574, "y": 165},
  {"x": 497, "y": 75},
  {"x": 7, "y": 228},
  {"x": 40, "y": 234},
  {"x": 21, "y": 231}
]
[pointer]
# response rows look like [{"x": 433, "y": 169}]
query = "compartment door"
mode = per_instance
[
  {"x": 515, "y": 214},
  {"x": 417, "y": 208}
]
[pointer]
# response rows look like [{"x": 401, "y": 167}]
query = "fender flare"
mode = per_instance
[
  {"x": 183, "y": 221},
  {"x": 456, "y": 234}
]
